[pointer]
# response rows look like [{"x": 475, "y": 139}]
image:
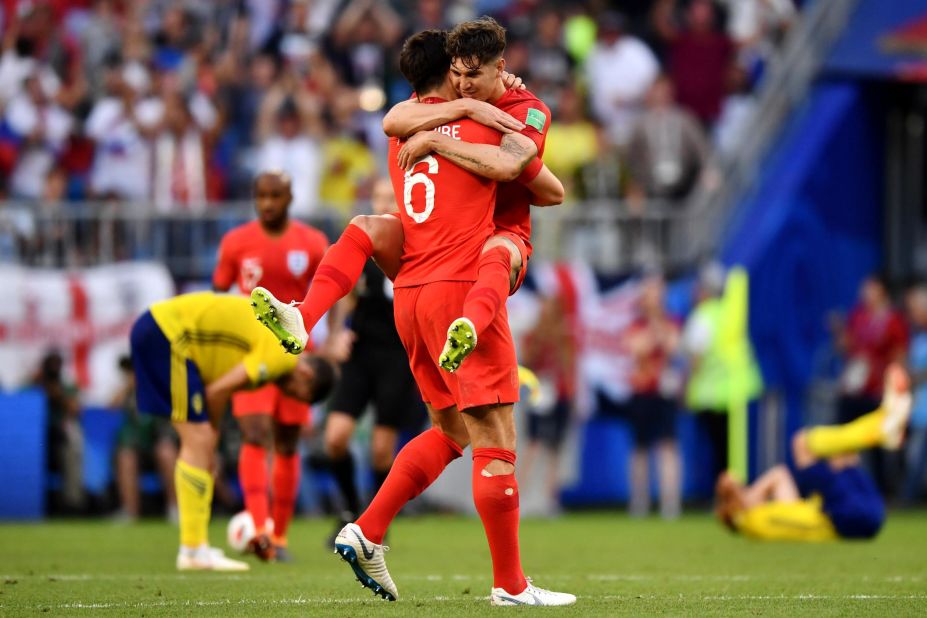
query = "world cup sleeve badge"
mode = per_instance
[{"x": 297, "y": 262}]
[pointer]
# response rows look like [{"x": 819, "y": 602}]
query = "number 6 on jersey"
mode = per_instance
[{"x": 420, "y": 178}]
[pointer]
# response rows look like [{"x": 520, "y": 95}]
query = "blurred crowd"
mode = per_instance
[{"x": 177, "y": 103}]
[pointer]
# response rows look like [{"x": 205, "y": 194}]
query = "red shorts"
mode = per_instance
[
  {"x": 488, "y": 376},
  {"x": 522, "y": 247},
  {"x": 269, "y": 399}
]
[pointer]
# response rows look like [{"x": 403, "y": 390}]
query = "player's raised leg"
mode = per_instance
[
  {"x": 883, "y": 427},
  {"x": 498, "y": 265},
  {"x": 377, "y": 236}
]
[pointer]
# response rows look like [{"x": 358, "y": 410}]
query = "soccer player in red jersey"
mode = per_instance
[
  {"x": 478, "y": 66},
  {"x": 476, "y": 49},
  {"x": 281, "y": 254},
  {"x": 446, "y": 217}
]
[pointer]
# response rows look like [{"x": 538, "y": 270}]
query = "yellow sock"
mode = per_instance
[
  {"x": 194, "y": 502},
  {"x": 865, "y": 432}
]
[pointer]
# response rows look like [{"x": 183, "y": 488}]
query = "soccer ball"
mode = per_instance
[{"x": 242, "y": 529}]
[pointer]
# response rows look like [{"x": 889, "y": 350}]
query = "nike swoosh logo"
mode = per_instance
[{"x": 367, "y": 553}]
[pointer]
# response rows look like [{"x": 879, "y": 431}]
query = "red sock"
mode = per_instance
[
  {"x": 417, "y": 466},
  {"x": 252, "y": 472},
  {"x": 496, "y": 500},
  {"x": 490, "y": 290},
  {"x": 285, "y": 488},
  {"x": 337, "y": 273}
]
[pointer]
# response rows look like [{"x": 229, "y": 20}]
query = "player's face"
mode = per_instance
[
  {"x": 476, "y": 83},
  {"x": 272, "y": 200},
  {"x": 382, "y": 199}
]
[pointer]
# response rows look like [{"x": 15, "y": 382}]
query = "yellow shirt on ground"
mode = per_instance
[{"x": 219, "y": 331}]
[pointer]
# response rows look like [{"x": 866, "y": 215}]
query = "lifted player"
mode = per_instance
[
  {"x": 190, "y": 353},
  {"x": 282, "y": 255},
  {"x": 514, "y": 161},
  {"x": 829, "y": 496}
]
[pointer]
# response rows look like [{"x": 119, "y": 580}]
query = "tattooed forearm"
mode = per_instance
[
  {"x": 468, "y": 162},
  {"x": 519, "y": 147}
]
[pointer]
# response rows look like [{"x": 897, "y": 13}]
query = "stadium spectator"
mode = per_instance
[
  {"x": 736, "y": 112},
  {"x": 619, "y": 70},
  {"x": 42, "y": 126},
  {"x": 349, "y": 166},
  {"x": 668, "y": 150},
  {"x": 120, "y": 123},
  {"x": 698, "y": 60},
  {"x": 143, "y": 441},
  {"x": 574, "y": 143},
  {"x": 550, "y": 67},
  {"x": 550, "y": 350},
  {"x": 180, "y": 149},
  {"x": 361, "y": 38},
  {"x": 653, "y": 340},
  {"x": 65, "y": 435},
  {"x": 293, "y": 148},
  {"x": 916, "y": 474}
]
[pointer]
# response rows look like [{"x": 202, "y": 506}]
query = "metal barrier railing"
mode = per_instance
[{"x": 603, "y": 233}]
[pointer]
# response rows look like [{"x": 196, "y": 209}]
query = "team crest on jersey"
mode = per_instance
[{"x": 297, "y": 262}]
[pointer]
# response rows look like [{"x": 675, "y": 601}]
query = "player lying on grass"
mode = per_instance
[
  {"x": 828, "y": 496},
  {"x": 190, "y": 353},
  {"x": 477, "y": 72}
]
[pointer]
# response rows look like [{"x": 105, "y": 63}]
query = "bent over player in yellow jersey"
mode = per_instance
[
  {"x": 828, "y": 495},
  {"x": 190, "y": 353}
]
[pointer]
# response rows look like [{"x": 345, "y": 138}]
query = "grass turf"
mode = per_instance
[{"x": 615, "y": 565}]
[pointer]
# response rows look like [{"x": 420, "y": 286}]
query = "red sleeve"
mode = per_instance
[
  {"x": 224, "y": 275},
  {"x": 536, "y": 117},
  {"x": 531, "y": 171}
]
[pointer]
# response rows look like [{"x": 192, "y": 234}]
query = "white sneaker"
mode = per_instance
[
  {"x": 206, "y": 558},
  {"x": 367, "y": 561},
  {"x": 896, "y": 403},
  {"x": 532, "y": 595},
  {"x": 284, "y": 321}
]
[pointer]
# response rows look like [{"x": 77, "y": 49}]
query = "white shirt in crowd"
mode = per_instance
[
  {"x": 301, "y": 158},
  {"x": 122, "y": 160},
  {"x": 619, "y": 76},
  {"x": 36, "y": 160}
]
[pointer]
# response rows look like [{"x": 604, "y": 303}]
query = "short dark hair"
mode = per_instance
[
  {"x": 423, "y": 60},
  {"x": 476, "y": 42},
  {"x": 325, "y": 375}
]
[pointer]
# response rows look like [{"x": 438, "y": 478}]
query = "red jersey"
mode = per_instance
[
  {"x": 446, "y": 211},
  {"x": 875, "y": 340},
  {"x": 283, "y": 264},
  {"x": 513, "y": 202}
]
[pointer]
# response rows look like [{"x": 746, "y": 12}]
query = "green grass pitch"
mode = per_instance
[{"x": 615, "y": 565}]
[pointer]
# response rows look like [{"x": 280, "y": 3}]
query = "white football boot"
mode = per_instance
[
  {"x": 284, "y": 320},
  {"x": 367, "y": 561},
  {"x": 532, "y": 595},
  {"x": 206, "y": 558}
]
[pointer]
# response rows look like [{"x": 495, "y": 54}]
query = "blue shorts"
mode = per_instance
[
  {"x": 167, "y": 383},
  {"x": 850, "y": 498}
]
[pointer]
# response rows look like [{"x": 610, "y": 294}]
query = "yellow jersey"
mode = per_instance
[{"x": 219, "y": 331}]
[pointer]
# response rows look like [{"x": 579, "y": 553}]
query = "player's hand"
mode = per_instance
[
  {"x": 415, "y": 148},
  {"x": 493, "y": 117},
  {"x": 512, "y": 81}
]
